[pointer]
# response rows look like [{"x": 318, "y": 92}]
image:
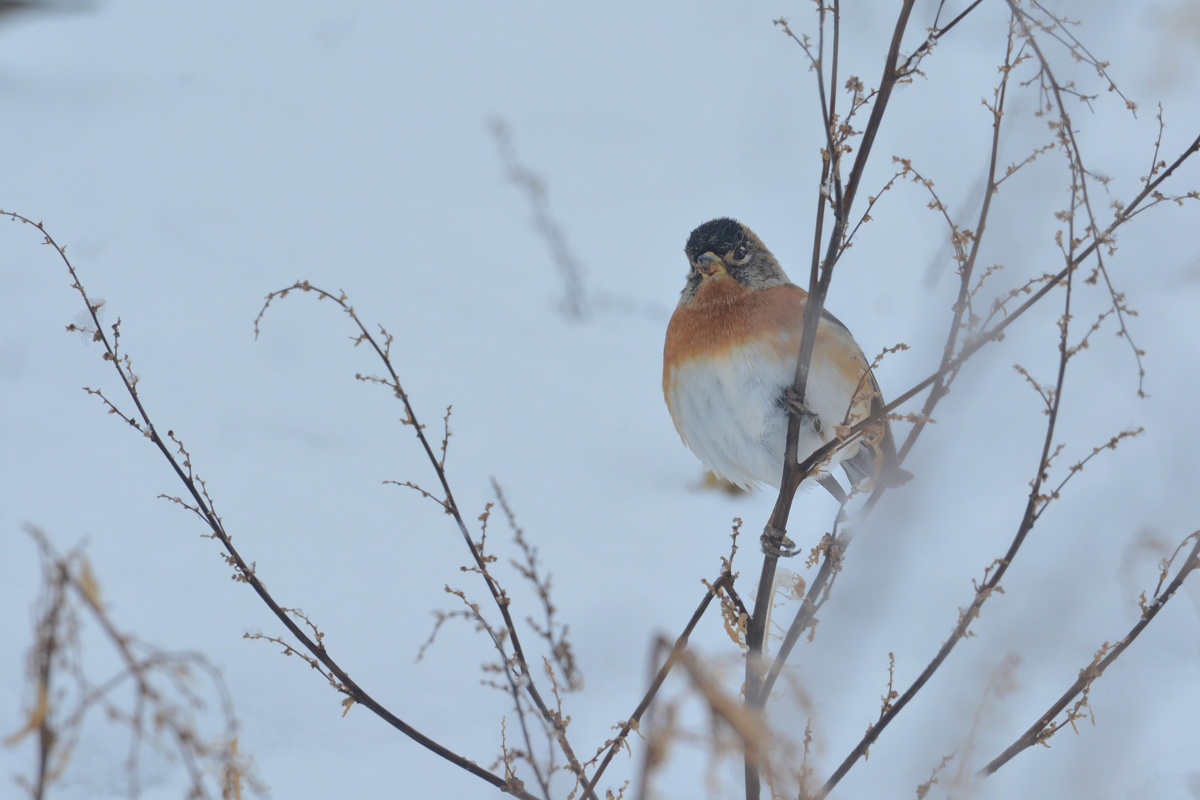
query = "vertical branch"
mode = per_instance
[
  {"x": 48, "y": 628},
  {"x": 966, "y": 269},
  {"x": 774, "y": 535},
  {"x": 808, "y": 608},
  {"x": 886, "y": 84}
]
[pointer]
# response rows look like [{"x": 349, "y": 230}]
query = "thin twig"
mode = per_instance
[
  {"x": 673, "y": 657},
  {"x": 244, "y": 570},
  {"x": 1044, "y": 727},
  {"x": 498, "y": 594}
]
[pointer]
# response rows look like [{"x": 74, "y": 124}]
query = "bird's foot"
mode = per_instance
[
  {"x": 776, "y": 543},
  {"x": 795, "y": 405}
]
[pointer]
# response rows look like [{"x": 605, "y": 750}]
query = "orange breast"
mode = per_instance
[{"x": 724, "y": 315}]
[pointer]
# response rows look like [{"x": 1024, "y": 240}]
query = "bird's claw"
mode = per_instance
[
  {"x": 795, "y": 405},
  {"x": 776, "y": 543}
]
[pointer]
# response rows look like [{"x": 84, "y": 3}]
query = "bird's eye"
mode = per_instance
[{"x": 740, "y": 253}]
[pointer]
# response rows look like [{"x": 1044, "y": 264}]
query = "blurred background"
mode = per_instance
[{"x": 193, "y": 157}]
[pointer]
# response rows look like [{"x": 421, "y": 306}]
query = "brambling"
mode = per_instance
[{"x": 730, "y": 360}]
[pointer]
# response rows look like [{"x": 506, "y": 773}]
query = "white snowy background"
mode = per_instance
[{"x": 194, "y": 156}]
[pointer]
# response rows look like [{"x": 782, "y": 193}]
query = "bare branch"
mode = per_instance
[
  {"x": 244, "y": 571},
  {"x": 1046, "y": 726}
]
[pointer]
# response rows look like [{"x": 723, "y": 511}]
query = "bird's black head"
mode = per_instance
[
  {"x": 726, "y": 247},
  {"x": 717, "y": 236}
]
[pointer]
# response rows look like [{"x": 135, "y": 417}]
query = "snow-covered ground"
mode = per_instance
[{"x": 193, "y": 157}]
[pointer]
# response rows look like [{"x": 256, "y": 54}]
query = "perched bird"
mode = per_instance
[{"x": 730, "y": 360}]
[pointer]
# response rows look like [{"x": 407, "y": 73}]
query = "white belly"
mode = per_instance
[{"x": 730, "y": 412}]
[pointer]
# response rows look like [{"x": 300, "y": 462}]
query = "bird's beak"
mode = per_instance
[{"x": 710, "y": 265}]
